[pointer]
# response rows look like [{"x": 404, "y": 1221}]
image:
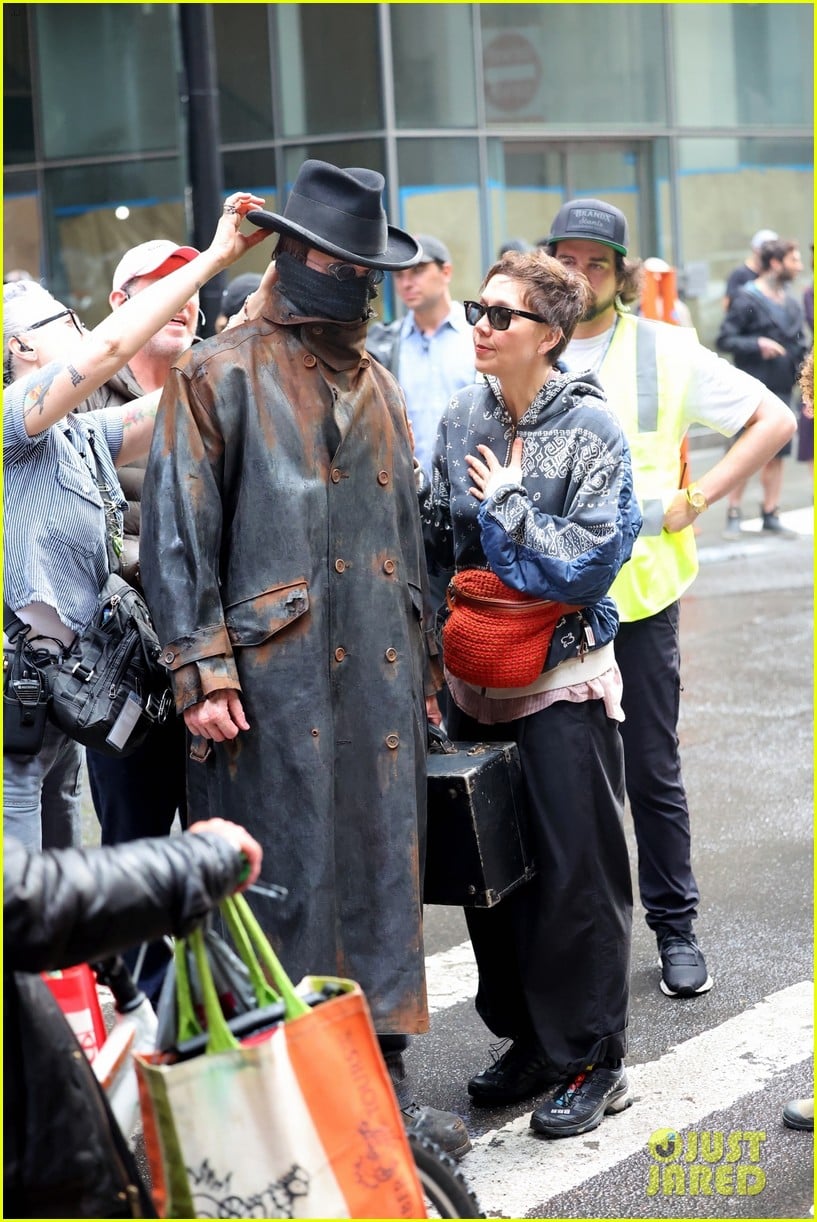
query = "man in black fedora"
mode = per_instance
[{"x": 287, "y": 579}]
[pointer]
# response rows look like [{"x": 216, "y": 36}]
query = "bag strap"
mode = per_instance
[
  {"x": 294, "y": 1006},
  {"x": 255, "y": 950},
  {"x": 455, "y": 594},
  {"x": 12, "y": 624}
]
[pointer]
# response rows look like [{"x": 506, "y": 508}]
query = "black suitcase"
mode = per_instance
[{"x": 477, "y": 851}]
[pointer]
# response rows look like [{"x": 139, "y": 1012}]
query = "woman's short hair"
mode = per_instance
[
  {"x": 24, "y": 302},
  {"x": 554, "y": 292}
]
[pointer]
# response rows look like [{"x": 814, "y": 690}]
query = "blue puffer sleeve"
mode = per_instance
[{"x": 573, "y": 556}]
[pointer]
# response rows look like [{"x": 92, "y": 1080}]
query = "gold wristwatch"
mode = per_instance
[{"x": 696, "y": 498}]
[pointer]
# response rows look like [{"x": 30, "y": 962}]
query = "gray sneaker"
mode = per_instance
[
  {"x": 733, "y": 528},
  {"x": 445, "y": 1129}
]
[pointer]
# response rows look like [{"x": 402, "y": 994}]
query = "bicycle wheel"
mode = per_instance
[{"x": 446, "y": 1193}]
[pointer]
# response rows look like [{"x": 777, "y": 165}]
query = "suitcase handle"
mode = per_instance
[{"x": 438, "y": 741}]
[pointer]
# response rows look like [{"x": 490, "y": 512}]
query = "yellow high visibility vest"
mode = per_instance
[{"x": 644, "y": 374}]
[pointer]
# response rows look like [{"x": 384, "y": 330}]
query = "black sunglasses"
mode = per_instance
[
  {"x": 62, "y": 314},
  {"x": 499, "y": 316}
]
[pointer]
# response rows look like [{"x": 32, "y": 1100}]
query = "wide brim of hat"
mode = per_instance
[
  {"x": 586, "y": 237},
  {"x": 401, "y": 248}
]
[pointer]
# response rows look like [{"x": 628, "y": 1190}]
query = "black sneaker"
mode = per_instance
[
  {"x": 581, "y": 1103},
  {"x": 773, "y": 525},
  {"x": 445, "y": 1129},
  {"x": 520, "y": 1073},
  {"x": 683, "y": 967}
]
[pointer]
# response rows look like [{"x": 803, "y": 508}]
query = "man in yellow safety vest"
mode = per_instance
[{"x": 659, "y": 380}]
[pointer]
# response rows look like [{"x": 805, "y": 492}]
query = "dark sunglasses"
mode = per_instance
[
  {"x": 345, "y": 271},
  {"x": 62, "y": 314},
  {"x": 499, "y": 317}
]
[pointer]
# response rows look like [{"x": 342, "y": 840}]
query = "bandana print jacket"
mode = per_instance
[{"x": 563, "y": 533}]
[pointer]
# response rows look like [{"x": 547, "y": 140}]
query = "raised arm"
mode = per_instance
[{"x": 62, "y": 385}]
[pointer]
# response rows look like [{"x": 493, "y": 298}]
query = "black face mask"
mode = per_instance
[{"x": 321, "y": 295}]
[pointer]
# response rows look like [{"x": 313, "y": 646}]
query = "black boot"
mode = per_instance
[{"x": 445, "y": 1129}]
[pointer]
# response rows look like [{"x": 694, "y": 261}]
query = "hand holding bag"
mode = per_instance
[
  {"x": 296, "y": 1120},
  {"x": 496, "y": 636}
]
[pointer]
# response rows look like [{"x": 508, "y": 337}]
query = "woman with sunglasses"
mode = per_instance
[
  {"x": 62, "y": 501},
  {"x": 532, "y": 481}
]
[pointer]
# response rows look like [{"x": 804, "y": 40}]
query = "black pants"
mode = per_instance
[
  {"x": 554, "y": 955},
  {"x": 649, "y": 658},
  {"x": 138, "y": 795}
]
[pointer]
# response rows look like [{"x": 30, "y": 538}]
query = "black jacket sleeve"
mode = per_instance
[{"x": 67, "y": 906}]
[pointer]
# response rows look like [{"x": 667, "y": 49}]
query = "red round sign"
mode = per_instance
[{"x": 512, "y": 70}]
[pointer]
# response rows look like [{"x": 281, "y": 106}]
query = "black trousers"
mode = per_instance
[
  {"x": 649, "y": 657},
  {"x": 554, "y": 955},
  {"x": 138, "y": 795}
]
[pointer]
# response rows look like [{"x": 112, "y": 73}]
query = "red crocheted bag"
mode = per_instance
[{"x": 496, "y": 636}]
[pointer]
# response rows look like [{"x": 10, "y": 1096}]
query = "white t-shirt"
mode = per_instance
[{"x": 718, "y": 396}]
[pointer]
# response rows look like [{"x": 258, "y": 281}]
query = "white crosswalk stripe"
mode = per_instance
[{"x": 512, "y": 1171}]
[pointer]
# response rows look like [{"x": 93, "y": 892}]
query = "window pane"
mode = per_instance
[
  {"x": 253, "y": 170},
  {"x": 242, "y": 51},
  {"x": 87, "y": 236},
  {"x": 22, "y": 239},
  {"x": 18, "y": 113},
  {"x": 728, "y": 190},
  {"x": 328, "y": 67},
  {"x": 564, "y": 64},
  {"x": 439, "y": 194},
  {"x": 526, "y": 188},
  {"x": 95, "y": 99},
  {"x": 433, "y": 51},
  {"x": 743, "y": 63}
]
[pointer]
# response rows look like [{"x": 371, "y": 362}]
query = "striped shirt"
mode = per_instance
[{"x": 54, "y": 543}]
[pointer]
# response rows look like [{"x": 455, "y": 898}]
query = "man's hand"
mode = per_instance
[
  {"x": 769, "y": 347},
  {"x": 679, "y": 514},
  {"x": 239, "y": 838},
  {"x": 433, "y": 713},
  {"x": 489, "y": 474},
  {"x": 219, "y": 716}
]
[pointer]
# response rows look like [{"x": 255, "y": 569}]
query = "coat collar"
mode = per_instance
[{"x": 340, "y": 345}]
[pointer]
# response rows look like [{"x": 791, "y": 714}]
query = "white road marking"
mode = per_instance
[
  {"x": 512, "y": 1171},
  {"x": 451, "y": 977}
]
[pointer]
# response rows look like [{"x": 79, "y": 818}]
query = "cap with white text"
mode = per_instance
[{"x": 594, "y": 220}]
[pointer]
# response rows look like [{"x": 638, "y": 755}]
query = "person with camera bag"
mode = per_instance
[{"x": 63, "y": 504}]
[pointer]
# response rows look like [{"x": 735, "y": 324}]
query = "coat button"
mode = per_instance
[
  {"x": 310, "y": 360},
  {"x": 317, "y": 330},
  {"x": 340, "y": 566},
  {"x": 335, "y": 476},
  {"x": 391, "y": 655},
  {"x": 315, "y": 732},
  {"x": 392, "y": 741},
  {"x": 383, "y": 477},
  {"x": 388, "y": 566},
  {"x": 168, "y": 656},
  {"x": 365, "y": 363},
  {"x": 340, "y": 654}
]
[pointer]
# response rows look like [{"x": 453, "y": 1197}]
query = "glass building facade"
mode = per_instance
[{"x": 696, "y": 119}]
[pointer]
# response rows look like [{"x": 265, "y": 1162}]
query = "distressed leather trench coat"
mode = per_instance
[{"x": 282, "y": 555}]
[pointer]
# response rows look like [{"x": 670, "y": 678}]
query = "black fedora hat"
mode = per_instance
[{"x": 341, "y": 212}]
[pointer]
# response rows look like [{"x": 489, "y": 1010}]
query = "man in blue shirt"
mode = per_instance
[{"x": 431, "y": 350}]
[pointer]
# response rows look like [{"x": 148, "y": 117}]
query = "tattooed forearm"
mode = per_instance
[
  {"x": 138, "y": 412},
  {"x": 35, "y": 398},
  {"x": 76, "y": 377}
]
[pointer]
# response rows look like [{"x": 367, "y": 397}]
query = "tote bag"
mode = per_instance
[{"x": 298, "y": 1120}]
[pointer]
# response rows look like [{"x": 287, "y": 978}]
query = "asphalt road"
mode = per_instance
[{"x": 724, "y": 1063}]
